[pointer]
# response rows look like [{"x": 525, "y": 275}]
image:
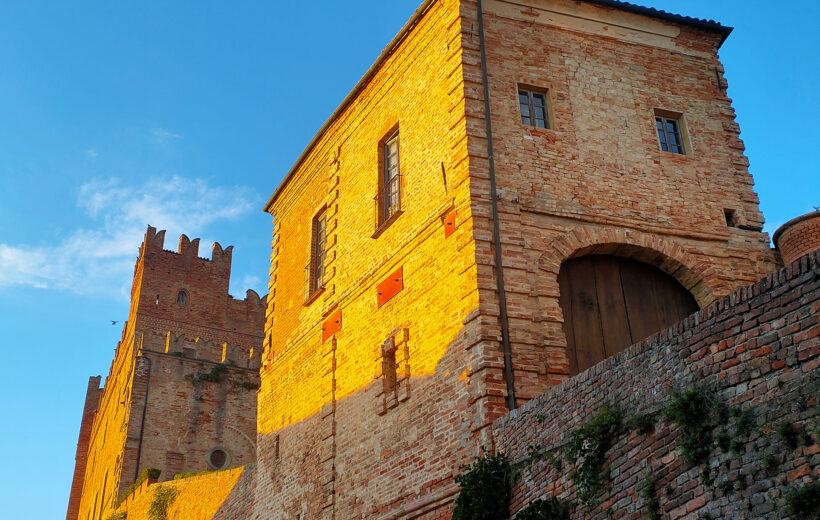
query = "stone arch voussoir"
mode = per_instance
[{"x": 699, "y": 277}]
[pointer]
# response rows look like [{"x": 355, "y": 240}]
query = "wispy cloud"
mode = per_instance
[
  {"x": 163, "y": 136},
  {"x": 249, "y": 281},
  {"x": 92, "y": 154},
  {"x": 99, "y": 259}
]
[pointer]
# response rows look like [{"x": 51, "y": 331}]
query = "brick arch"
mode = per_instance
[{"x": 696, "y": 276}]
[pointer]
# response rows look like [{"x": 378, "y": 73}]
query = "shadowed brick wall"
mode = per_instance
[{"x": 756, "y": 350}]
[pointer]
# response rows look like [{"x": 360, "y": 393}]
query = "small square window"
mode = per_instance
[
  {"x": 533, "y": 106},
  {"x": 669, "y": 134}
]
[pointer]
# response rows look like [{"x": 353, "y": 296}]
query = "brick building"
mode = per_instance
[
  {"x": 513, "y": 193},
  {"x": 615, "y": 184},
  {"x": 181, "y": 392}
]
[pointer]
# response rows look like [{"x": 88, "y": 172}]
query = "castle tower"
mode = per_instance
[{"x": 180, "y": 395}]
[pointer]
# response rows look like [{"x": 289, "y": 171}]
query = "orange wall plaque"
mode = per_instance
[
  {"x": 332, "y": 325},
  {"x": 390, "y": 286},
  {"x": 449, "y": 223}
]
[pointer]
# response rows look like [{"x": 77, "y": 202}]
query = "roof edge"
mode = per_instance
[
  {"x": 386, "y": 53},
  {"x": 710, "y": 25}
]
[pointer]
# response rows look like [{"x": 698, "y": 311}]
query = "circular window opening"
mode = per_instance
[
  {"x": 182, "y": 297},
  {"x": 218, "y": 458}
]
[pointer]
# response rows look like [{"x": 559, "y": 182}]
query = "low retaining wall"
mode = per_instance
[{"x": 755, "y": 354}]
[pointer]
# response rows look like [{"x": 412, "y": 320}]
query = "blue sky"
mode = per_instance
[{"x": 186, "y": 115}]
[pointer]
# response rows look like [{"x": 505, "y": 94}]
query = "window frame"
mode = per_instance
[
  {"x": 315, "y": 268},
  {"x": 662, "y": 118},
  {"x": 388, "y": 200},
  {"x": 531, "y": 93}
]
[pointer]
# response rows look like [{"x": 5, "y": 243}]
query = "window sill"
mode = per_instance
[
  {"x": 312, "y": 298},
  {"x": 677, "y": 155},
  {"x": 386, "y": 224}
]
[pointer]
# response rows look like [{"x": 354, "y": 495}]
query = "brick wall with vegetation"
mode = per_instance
[
  {"x": 716, "y": 417},
  {"x": 192, "y": 498}
]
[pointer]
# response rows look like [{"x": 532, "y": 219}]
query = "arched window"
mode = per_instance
[{"x": 182, "y": 297}]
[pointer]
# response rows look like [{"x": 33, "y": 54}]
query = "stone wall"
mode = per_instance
[{"x": 757, "y": 351}]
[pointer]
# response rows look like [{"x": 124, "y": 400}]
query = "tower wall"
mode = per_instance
[
  {"x": 92, "y": 399},
  {"x": 184, "y": 377}
]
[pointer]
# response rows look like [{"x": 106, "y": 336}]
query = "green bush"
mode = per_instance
[
  {"x": 788, "y": 434},
  {"x": 485, "y": 489},
  {"x": 692, "y": 412},
  {"x": 644, "y": 424},
  {"x": 552, "y": 509},
  {"x": 164, "y": 496}
]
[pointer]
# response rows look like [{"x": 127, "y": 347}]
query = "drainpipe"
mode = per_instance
[
  {"x": 142, "y": 424},
  {"x": 502, "y": 295}
]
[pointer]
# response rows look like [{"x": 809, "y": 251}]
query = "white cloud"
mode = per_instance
[
  {"x": 249, "y": 282},
  {"x": 163, "y": 136},
  {"x": 92, "y": 154},
  {"x": 100, "y": 259}
]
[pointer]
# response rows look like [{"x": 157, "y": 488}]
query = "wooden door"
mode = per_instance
[{"x": 610, "y": 303}]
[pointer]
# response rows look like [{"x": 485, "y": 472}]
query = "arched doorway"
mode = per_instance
[{"x": 610, "y": 303}]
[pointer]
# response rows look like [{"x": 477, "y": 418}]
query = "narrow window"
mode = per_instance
[
  {"x": 669, "y": 134},
  {"x": 533, "y": 105},
  {"x": 315, "y": 269},
  {"x": 730, "y": 216},
  {"x": 182, "y": 297},
  {"x": 389, "y": 366},
  {"x": 388, "y": 200}
]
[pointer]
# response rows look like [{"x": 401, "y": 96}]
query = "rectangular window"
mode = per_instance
[
  {"x": 388, "y": 199},
  {"x": 533, "y": 105},
  {"x": 669, "y": 134},
  {"x": 315, "y": 268}
]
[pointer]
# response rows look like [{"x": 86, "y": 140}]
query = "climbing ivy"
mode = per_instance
[
  {"x": 588, "y": 446},
  {"x": 164, "y": 496},
  {"x": 552, "y": 509},
  {"x": 652, "y": 504}
]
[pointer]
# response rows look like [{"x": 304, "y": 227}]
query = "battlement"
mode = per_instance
[
  {"x": 154, "y": 243},
  {"x": 182, "y": 286}
]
